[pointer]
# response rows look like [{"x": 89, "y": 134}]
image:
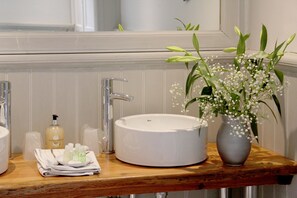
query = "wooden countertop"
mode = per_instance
[{"x": 262, "y": 167}]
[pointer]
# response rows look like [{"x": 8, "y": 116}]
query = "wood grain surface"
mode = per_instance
[{"x": 263, "y": 167}]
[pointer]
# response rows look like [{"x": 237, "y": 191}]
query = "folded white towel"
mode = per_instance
[{"x": 48, "y": 165}]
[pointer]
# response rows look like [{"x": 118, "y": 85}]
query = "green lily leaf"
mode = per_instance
[
  {"x": 120, "y": 28},
  {"x": 190, "y": 82},
  {"x": 230, "y": 49},
  {"x": 261, "y": 101},
  {"x": 191, "y": 102},
  {"x": 181, "y": 22},
  {"x": 273, "y": 55},
  {"x": 280, "y": 75},
  {"x": 173, "y": 59},
  {"x": 191, "y": 28},
  {"x": 206, "y": 90},
  {"x": 246, "y": 37},
  {"x": 263, "y": 37},
  {"x": 241, "y": 45},
  {"x": 188, "y": 26},
  {"x": 280, "y": 53},
  {"x": 290, "y": 39},
  {"x": 237, "y": 30},
  {"x": 191, "y": 79},
  {"x": 195, "y": 42},
  {"x": 260, "y": 55},
  {"x": 175, "y": 49},
  {"x": 183, "y": 59},
  {"x": 197, "y": 27},
  {"x": 188, "y": 59},
  {"x": 276, "y": 101}
]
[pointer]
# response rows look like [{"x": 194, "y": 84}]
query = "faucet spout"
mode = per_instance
[
  {"x": 121, "y": 96},
  {"x": 107, "y": 111}
]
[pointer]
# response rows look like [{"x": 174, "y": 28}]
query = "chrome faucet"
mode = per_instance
[
  {"x": 5, "y": 107},
  {"x": 107, "y": 111}
]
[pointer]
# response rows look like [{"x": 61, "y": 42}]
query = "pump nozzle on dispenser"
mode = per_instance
[{"x": 55, "y": 120}]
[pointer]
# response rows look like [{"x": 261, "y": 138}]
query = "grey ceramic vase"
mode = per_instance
[{"x": 233, "y": 145}]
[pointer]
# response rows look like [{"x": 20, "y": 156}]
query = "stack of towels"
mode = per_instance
[{"x": 48, "y": 164}]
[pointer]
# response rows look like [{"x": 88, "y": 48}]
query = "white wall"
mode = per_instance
[
  {"x": 48, "y": 11},
  {"x": 280, "y": 19}
]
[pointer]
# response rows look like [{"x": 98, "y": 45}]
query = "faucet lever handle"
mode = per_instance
[
  {"x": 120, "y": 79},
  {"x": 115, "y": 79}
]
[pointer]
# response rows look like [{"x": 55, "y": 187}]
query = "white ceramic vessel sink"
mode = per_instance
[
  {"x": 161, "y": 140},
  {"x": 4, "y": 149}
]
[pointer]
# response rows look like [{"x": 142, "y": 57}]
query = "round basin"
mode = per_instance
[
  {"x": 161, "y": 140},
  {"x": 4, "y": 149}
]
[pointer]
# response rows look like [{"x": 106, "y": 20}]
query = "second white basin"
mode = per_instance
[
  {"x": 161, "y": 140},
  {"x": 4, "y": 149}
]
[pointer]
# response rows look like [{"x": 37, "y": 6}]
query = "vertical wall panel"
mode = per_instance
[
  {"x": 153, "y": 91},
  {"x": 133, "y": 87},
  {"x": 42, "y": 100},
  {"x": 20, "y": 108},
  {"x": 267, "y": 132},
  {"x": 291, "y": 127},
  {"x": 66, "y": 104},
  {"x": 3, "y": 76},
  {"x": 88, "y": 101}
]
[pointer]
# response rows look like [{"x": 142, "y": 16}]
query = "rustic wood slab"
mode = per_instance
[{"x": 263, "y": 167}]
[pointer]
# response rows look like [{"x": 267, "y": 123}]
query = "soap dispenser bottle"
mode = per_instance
[{"x": 54, "y": 135}]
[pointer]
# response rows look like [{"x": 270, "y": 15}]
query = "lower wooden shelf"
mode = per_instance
[{"x": 263, "y": 167}]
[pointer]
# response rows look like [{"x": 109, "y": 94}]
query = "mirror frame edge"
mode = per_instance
[{"x": 109, "y": 42}]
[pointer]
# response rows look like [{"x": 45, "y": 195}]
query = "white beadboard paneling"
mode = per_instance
[
  {"x": 66, "y": 104},
  {"x": 3, "y": 76},
  {"x": 291, "y": 115},
  {"x": 279, "y": 133},
  {"x": 20, "y": 109},
  {"x": 267, "y": 131},
  {"x": 153, "y": 91},
  {"x": 88, "y": 101},
  {"x": 270, "y": 129},
  {"x": 213, "y": 127},
  {"x": 291, "y": 127},
  {"x": 133, "y": 87},
  {"x": 42, "y": 100}
]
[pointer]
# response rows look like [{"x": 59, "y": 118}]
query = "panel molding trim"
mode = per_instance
[{"x": 109, "y": 61}]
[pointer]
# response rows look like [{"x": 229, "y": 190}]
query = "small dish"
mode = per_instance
[{"x": 72, "y": 163}]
